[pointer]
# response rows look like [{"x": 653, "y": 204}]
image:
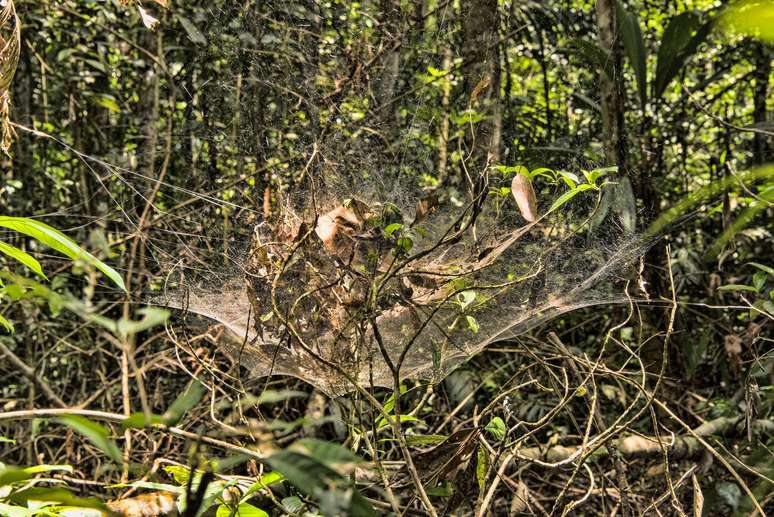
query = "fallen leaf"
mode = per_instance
[{"x": 524, "y": 194}]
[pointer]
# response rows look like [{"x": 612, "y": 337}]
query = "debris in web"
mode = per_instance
[{"x": 361, "y": 290}]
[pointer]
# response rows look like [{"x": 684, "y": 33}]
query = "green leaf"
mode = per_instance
[
  {"x": 243, "y": 510},
  {"x": 482, "y": 467},
  {"x": 23, "y": 257},
  {"x": 96, "y": 433},
  {"x": 184, "y": 402},
  {"x": 178, "y": 473},
  {"x": 270, "y": 478},
  {"x": 753, "y": 18},
  {"x": 107, "y": 101},
  {"x": 60, "y": 242},
  {"x": 330, "y": 454},
  {"x": 305, "y": 473},
  {"x": 137, "y": 420},
  {"x": 163, "y": 487},
  {"x": 472, "y": 324},
  {"x": 564, "y": 198},
  {"x": 681, "y": 38},
  {"x": 765, "y": 269},
  {"x": 737, "y": 287},
  {"x": 759, "y": 280},
  {"x": 392, "y": 228},
  {"x": 61, "y": 496},
  {"x": 192, "y": 31},
  {"x": 571, "y": 179},
  {"x": 592, "y": 53},
  {"x": 496, "y": 427},
  {"x": 293, "y": 504},
  {"x": 421, "y": 440},
  {"x": 383, "y": 422},
  {"x": 635, "y": 49},
  {"x": 7, "y": 325}
]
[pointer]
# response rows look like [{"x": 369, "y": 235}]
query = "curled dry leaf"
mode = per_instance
[
  {"x": 524, "y": 194},
  {"x": 10, "y": 38},
  {"x": 148, "y": 19},
  {"x": 336, "y": 227}
]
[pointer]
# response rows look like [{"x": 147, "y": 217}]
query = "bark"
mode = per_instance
[
  {"x": 611, "y": 86},
  {"x": 761, "y": 142},
  {"x": 481, "y": 69}
]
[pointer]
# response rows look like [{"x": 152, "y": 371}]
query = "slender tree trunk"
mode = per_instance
[
  {"x": 762, "y": 62},
  {"x": 611, "y": 86},
  {"x": 481, "y": 69}
]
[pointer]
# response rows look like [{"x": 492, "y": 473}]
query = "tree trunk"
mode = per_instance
[
  {"x": 761, "y": 142},
  {"x": 611, "y": 86},
  {"x": 481, "y": 69}
]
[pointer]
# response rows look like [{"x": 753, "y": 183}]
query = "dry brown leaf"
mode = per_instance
[
  {"x": 524, "y": 194},
  {"x": 698, "y": 497},
  {"x": 733, "y": 344},
  {"x": 148, "y": 19},
  {"x": 10, "y": 44}
]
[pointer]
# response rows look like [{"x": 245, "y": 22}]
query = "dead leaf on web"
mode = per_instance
[
  {"x": 10, "y": 43},
  {"x": 524, "y": 194},
  {"x": 148, "y": 19}
]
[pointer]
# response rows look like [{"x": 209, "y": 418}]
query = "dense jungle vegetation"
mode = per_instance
[{"x": 386, "y": 257}]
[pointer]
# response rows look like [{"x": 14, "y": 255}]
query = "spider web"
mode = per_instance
[{"x": 285, "y": 127}]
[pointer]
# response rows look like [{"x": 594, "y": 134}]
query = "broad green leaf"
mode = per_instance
[
  {"x": 635, "y": 49},
  {"x": 330, "y": 454},
  {"x": 752, "y": 18},
  {"x": 137, "y": 420},
  {"x": 23, "y": 257},
  {"x": 762, "y": 267},
  {"x": 184, "y": 402},
  {"x": 191, "y": 30},
  {"x": 496, "y": 427},
  {"x": 108, "y": 102},
  {"x": 151, "y": 317},
  {"x": 8, "y": 510},
  {"x": 305, "y": 473},
  {"x": 592, "y": 53},
  {"x": 61, "y": 496},
  {"x": 312, "y": 475},
  {"x": 681, "y": 38},
  {"x": 60, "y": 242},
  {"x": 243, "y": 510},
  {"x": 759, "y": 280},
  {"x": 293, "y": 504},
  {"x": 180, "y": 474},
  {"x": 268, "y": 479},
  {"x": 571, "y": 179},
  {"x": 564, "y": 198},
  {"x": 96, "y": 433},
  {"x": 392, "y": 228}
]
